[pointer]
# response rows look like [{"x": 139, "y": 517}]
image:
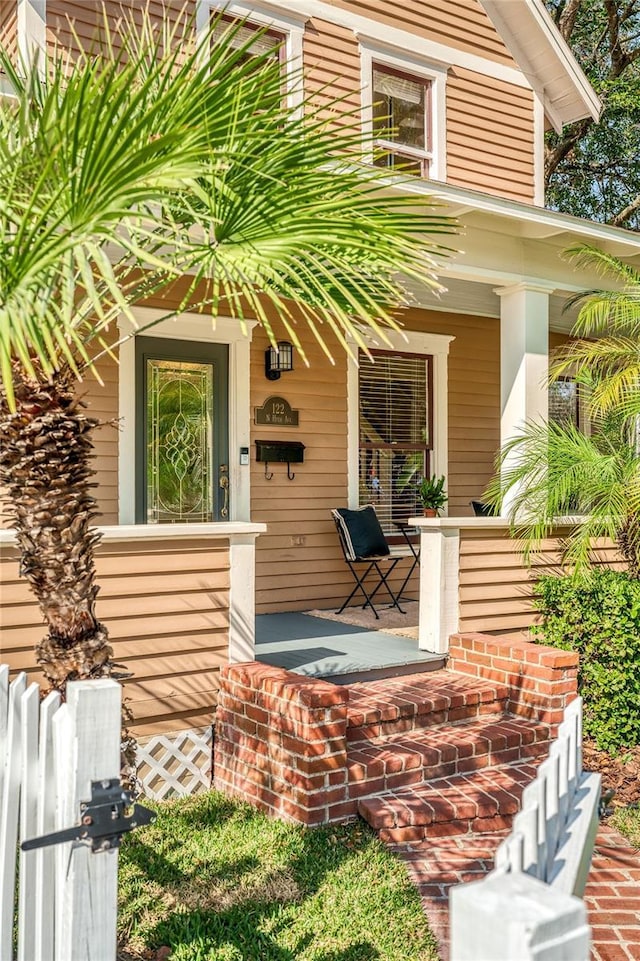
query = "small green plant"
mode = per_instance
[
  {"x": 600, "y": 619},
  {"x": 431, "y": 493}
]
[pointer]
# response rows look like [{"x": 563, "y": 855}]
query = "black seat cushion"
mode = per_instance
[
  {"x": 481, "y": 509},
  {"x": 361, "y": 531}
]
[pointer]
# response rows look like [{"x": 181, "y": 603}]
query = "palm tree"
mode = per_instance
[
  {"x": 553, "y": 470},
  {"x": 132, "y": 169}
]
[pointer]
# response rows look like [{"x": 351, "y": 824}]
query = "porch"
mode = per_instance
[{"x": 347, "y": 648}]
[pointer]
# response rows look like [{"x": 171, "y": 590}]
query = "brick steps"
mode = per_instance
[
  {"x": 477, "y": 803},
  {"x": 399, "y": 705},
  {"x": 397, "y": 761}
]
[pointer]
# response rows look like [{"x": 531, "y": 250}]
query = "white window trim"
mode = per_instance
[
  {"x": 197, "y": 328},
  {"x": 288, "y": 24},
  {"x": 408, "y": 342},
  {"x": 372, "y": 52}
]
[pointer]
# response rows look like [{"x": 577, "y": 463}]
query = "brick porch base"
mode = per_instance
[{"x": 435, "y": 762}]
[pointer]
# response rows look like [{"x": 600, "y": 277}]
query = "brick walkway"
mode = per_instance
[
  {"x": 612, "y": 894},
  {"x": 613, "y": 898}
]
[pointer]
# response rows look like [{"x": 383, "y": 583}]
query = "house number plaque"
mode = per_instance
[{"x": 276, "y": 412}]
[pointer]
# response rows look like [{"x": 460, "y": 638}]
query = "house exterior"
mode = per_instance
[{"x": 473, "y": 85}]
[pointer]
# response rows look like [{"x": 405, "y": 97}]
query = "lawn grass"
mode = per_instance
[{"x": 217, "y": 881}]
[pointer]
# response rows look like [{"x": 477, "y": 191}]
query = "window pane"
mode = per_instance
[
  {"x": 264, "y": 43},
  {"x": 393, "y": 400},
  {"x": 400, "y": 103},
  {"x": 563, "y": 401},
  {"x": 179, "y": 441},
  {"x": 394, "y": 433},
  {"x": 384, "y": 158}
]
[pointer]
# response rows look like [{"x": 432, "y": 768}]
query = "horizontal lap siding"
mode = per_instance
[
  {"x": 457, "y": 23},
  {"x": 496, "y": 585},
  {"x": 102, "y": 403},
  {"x": 489, "y": 135},
  {"x": 474, "y": 400},
  {"x": 166, "y": 606},
  {"x": 298, "y": 560},
  {"x": 298, "y": 576},
  {"x": 331, "y": 59},
  {"x": 9, "y": 27},
  {"x": 73, "y": 23}
]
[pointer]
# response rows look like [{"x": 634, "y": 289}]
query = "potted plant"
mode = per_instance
[{"x": 432, "y": 495}]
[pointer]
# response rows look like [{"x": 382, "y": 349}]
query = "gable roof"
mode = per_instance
[{"x": 538, "y": 47}]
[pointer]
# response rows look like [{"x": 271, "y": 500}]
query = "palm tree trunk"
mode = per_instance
[{"x": 45, "y": 469}]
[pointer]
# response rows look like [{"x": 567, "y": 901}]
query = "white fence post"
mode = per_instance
[
  {"x": 10, "y": 811},
  {"x": 86, "y": 748},
  {"x": 514, "y": 917}
]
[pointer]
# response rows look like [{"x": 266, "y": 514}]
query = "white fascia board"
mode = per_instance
[
  {"x": 541, "y": 51},
  {"x": 553, "y": 222}
]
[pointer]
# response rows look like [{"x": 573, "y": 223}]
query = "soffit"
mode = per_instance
[{"x": 546, "y": 59}]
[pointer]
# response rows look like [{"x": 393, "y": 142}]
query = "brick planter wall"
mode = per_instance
[
  {"x": 281, "y": 743},
  {"x": 542, "y": 680}
]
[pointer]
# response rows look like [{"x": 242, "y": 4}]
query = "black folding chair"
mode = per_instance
[
  {"x": 367, "y": 555},
  {"x": 480, "y": 509}
]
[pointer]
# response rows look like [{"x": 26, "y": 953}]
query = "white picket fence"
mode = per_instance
[
  {"x": 49, "y": 755},
  {"x": 529, "y": 907}
]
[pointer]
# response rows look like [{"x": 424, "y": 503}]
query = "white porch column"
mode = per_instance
[
  {"x": 524, "y": 359},
  {"x": 439, "y": 581}
]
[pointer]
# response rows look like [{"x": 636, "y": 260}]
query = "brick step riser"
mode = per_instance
[
  {"x": 446, "y": 829},
  {"x": 362, "y": 787},
  {"x": 426, "y": 720}
]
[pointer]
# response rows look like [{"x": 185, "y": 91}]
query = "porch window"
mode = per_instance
[
  {"x": 395, "y": 432},
  {"x": 402, "y": 121},
  {"x": 564, "y": 402}
]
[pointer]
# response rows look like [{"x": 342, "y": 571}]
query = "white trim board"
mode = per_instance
[
  {"x": 410, "y": 342},
  {"x": 199, "y": 328}
]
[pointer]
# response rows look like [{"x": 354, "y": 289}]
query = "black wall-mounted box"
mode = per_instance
[{"x": 279, "y": 451}]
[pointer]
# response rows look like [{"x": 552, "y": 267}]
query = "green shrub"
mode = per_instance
[{"x": 600, "y": 619}]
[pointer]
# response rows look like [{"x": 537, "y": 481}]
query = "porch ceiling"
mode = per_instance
[{"x": 472, "y": 297}]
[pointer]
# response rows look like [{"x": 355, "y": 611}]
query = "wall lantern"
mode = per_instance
[{"x": 277, "y": 359}]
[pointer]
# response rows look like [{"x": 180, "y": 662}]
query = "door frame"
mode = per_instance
[
  {"x": 153, "y": 322},
  {"x": 188, "y": 351}
]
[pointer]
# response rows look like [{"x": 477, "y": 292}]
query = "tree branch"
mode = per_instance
[{"x": 623, "y": 216}]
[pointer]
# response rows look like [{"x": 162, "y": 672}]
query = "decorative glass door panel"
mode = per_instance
[{"x": 182, "y": 432}]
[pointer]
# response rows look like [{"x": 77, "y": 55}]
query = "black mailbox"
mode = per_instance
[{"x": 279, "y": 452}]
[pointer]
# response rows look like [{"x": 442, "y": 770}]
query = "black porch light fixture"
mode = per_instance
[{"x": 278, "y": 359}]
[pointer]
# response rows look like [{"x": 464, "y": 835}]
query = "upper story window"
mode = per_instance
[
  {"x": 404, "y": 109},
  {"x": 253, "y": 37},
  {"x": 402, "y": 118},
  {"x": 281, "y": 33}
]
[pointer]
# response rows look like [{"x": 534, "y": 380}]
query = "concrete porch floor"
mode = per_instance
[{"x": 344, "y": 648}]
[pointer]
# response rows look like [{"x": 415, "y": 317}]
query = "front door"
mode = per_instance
[{"x": 182, "y": 463}]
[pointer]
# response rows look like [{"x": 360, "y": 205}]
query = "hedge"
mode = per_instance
[{"x": 600, "y": 619}]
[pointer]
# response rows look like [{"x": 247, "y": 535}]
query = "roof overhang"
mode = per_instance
[{"x": 539, "y": 49}]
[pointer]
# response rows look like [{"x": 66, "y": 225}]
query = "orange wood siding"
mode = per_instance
[
  {"x": 496, "y": 585},
  {"x": 474, "y": 399},
  {"x": 9, "y": 27},
  {"x": 489, "y": 135},
  {"x": 165, "y": 604},
  {"x": 331, "y": 59},
  {"x": 73, "y": 23},
  {"x": 457, "y": 23},
  {"x": 298, "y": 561},
  {"x": 102, "y": 402}
]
